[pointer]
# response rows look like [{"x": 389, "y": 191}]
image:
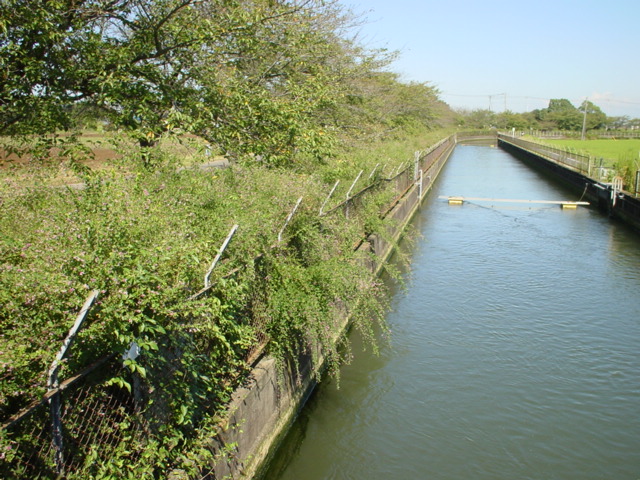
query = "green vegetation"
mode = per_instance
[
  {"x": 623, "y": 150},
  {"x": 561, "y": 114},
  {"x": 277, "y": 88},
  {"x": 622, "y": 155},
  {"x": 278, "y": 82},
  {"x": 145, "y": 242},
  {"x": 282, "y": 91}
]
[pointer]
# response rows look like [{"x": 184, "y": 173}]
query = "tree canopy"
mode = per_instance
[{"x": 266, "y": 78}]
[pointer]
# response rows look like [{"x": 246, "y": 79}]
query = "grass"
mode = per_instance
[
  {"x": 623, "y": 154},
  {"x": 624, "y": 151}
]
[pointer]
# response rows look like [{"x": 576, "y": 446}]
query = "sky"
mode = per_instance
[{"x": 510, "y": 55}]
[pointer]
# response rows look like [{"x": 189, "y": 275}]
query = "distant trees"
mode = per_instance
[
  {"x": 596, "y": 118},
  {"x": 270, "y": 79},
  {"x": 561, "y": 114}
]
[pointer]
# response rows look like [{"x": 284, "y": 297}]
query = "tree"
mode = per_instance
[
  {"x": 378, "y": 103},
  {"x": 256, "y": 77},
  {"x": 508, "y": 120},
  {"x": 563, "y": 115},
  {"x": 480, "y": 118}
]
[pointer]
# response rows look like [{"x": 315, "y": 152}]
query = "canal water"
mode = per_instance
[{"x": 514, "y": 350}]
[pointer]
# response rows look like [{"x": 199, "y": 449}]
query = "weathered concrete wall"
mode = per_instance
[{"x": 262, "y": 411}]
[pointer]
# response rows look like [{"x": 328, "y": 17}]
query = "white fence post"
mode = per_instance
[
  {"x": 354, "y": 184},
  {"x": 349, "y": 193},
  {"x": 289, "y": 219},
  {"x": 52, "y": 383},
  {"x": 215, "y": 260},
  {"x": 329, "y": 196}
]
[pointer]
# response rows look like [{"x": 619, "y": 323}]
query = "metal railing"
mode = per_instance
[{"x": 598, "y": 169}]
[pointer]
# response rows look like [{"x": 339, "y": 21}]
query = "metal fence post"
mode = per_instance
[
  {"x": 53, "y": 383},
  {"x": 289, "y": 219},
  {"x": 354, "y": 184},
  {"x": 329, "y": 196},
  {"x": 349, "y": 193},
  {"x": 217, "y": 257}
]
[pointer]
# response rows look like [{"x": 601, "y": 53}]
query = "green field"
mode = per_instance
[
  {"x": 623, "y": 155},
  {"x": 626, "y": 151}
]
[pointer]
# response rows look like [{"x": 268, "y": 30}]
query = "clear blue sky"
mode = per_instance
[{"x": 520, "y": 53}]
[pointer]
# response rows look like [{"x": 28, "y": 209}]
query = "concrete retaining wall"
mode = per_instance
[{"x": 617, "y": 204}]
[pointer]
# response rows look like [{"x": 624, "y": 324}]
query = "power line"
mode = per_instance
[
  {"x": 529, "y": 97},
  {"x": 515, "y": 98}
]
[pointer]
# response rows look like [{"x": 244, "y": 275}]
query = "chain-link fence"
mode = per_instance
[{"x": 91, "y": 416}]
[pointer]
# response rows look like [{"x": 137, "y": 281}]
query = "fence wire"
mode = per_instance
[{"x": 92, "y": 417}]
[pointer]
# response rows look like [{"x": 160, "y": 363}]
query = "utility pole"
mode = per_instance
[
  {"x": 497, "y": 95},
  {"x": 584, "y": 119}
]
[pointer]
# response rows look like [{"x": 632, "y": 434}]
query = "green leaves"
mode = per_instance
[{"x": 261, "y": 80}]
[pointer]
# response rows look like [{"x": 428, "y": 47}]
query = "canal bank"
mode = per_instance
[
  {"x": 262, "y": 411},
  {"x": 577, "y": 173},
  {"x": 513, "y": 350}
]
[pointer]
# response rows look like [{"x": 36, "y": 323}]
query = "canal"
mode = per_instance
[{"x": 514, "y": 349}]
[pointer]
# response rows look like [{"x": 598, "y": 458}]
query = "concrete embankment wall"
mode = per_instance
[
  {"x": 618, "y": 204},
  {"x": 262, "y": 411}
]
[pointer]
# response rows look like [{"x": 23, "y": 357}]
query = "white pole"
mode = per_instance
[
  {"x": 329, "y": 196},
  {"x": 584, "y": 119},
  {"x": 215, "y": 260},
  {"x": 289, "y": 219},
  {"x": 52, "y": 381},
  {"x": 354, "y": 184}
]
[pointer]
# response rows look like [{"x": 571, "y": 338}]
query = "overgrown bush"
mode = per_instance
[{"x": 145, "y": 242}]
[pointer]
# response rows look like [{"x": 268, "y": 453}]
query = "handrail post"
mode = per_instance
[
  {"x": 349, "y": 193},
  {"x": 354, "y": 184}
]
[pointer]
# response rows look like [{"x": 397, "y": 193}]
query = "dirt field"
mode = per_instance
[{"x": 102, "y": 146}]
